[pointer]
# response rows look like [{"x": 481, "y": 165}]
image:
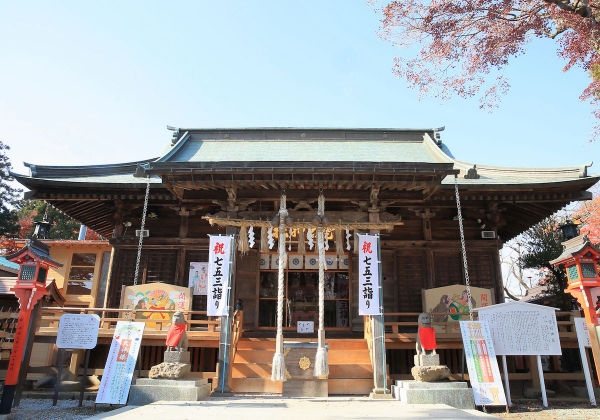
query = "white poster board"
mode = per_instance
[
  {"x": 482, "y": 364},
  {"x": 522, "y": 329},
  {"x": 368, "y": 275},
  {"x": 583, "y": 338},
  {"x": 78, "y": 331},
  {"x": 198, "y": 280},
  {"x": 122, "y": 356}
]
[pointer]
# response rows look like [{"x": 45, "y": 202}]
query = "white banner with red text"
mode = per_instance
[
  {"x": 219, "y": 261},
  {"x": 368, "y": 275}
]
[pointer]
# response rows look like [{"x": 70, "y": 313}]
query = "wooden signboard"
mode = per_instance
[
  {"x": 523, "y": 329},
  {"x": 583, "y": 339},
  {"x": 78, "y": 331}
]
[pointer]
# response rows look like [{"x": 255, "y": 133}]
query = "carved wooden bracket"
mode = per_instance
[{"x": 424, "y": 213}]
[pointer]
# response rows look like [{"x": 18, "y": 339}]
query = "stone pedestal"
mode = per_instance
[
  {"x": 453, "y": 393},
  {"x": 176, "y": 366},
  {"x": 146, "y": 391},
  {"x": 425, "y": 359},
  {"x": 300, "y": 367}
]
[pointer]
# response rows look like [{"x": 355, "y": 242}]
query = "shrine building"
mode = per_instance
[{"x": 400, "y": 183}]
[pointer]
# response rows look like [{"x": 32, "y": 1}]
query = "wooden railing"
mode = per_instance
[
  {"x": 401, "y": 332},
  {"x": 407, "y": 330},
  {"x": 108, "y": 320}
]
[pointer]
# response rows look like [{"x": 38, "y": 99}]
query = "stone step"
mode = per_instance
[{"x": 146, "y": 391}]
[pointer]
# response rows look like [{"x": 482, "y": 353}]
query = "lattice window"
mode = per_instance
[
  {"x": 588, "y": 270},
  {"x": 411, "y": 279},
  {"x": 481, "y": 270},
  {"x": 156, "y": 265},
  {"x": 448, "y": 269},
  {"x": 573, "y": 273}
]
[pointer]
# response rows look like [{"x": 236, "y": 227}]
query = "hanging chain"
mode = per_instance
[
  {"x": 464, "y": 249},
  {"x": 139, "y": 251},
  {"x": 464, "y": 256}
]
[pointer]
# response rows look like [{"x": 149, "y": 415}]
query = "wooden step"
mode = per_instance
[
  {"x": 251, "y": 370},
  {"x": 256, "y": 344},
  {"x": 347, "y": 345},
  {"x": 253, "y": 356},
  {"x": 261, "y": 385},
  {"x": 355, "y": 371},
  {"x": 346, "y": 357}
]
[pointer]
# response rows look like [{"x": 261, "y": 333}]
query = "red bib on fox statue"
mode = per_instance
[
  {"x": 426, "y": 343},
  {"x": 176, "y": 336},
  {"x": 427, "y": 336}
]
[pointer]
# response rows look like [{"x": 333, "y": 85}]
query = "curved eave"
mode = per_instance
[
  {"x": 50, "y": 171},
  {"x": 32, "y": 183},
  {"x": 487, "y": 184},
  {"x": 304, "y": 166}
]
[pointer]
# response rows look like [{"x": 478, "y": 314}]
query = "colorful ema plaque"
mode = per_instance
[{"x": 146, "y": 299}]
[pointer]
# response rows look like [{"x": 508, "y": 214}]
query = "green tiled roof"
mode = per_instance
[
  {"x": 303, "y": 151},
  {"x": 254, "y": 146}
]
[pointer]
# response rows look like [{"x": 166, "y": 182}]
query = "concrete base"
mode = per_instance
[
  {"x": 146, "y": 391},
  {"x": 455, "y": 394},
  {"x": 377, "y": 396}
]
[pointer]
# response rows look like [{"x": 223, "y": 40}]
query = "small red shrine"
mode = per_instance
[
  {"x": 580, "y": 259},
  {"x": 35, "y": 261}
]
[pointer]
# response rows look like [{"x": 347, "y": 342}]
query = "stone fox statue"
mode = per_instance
[
  {"x": 176, "y": 336},
  {"x": 426, "y": 343}
]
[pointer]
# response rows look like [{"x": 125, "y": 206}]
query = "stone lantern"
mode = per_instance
[
  {"x": 35, "y": 261},
  {"x": 580, "y": 259}
]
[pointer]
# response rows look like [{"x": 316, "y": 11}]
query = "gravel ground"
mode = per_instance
[
  {"x": 556, "y": 410},
  {"x": 42, "y": 409}
]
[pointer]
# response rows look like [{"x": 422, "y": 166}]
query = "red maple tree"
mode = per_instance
[
  {"x": 588, "y": 214},
  {"x": 463, "y": 42}
]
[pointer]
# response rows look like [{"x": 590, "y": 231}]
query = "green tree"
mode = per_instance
[
  {"x": 8, "y": 196},
  {"x": 540, "y": 245}
]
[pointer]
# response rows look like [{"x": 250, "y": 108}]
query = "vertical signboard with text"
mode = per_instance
[
  {"x": 122, "y": 356},
  {"x": 368, "y": 275},
  {"x": 484, "y": 373},
  {"x": 219, "y": 260}
]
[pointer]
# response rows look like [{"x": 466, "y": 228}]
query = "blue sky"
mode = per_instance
[{"x": 97, "y": 82}]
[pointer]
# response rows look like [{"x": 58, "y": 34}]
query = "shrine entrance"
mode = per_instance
[{"x": 301, "y": 293}]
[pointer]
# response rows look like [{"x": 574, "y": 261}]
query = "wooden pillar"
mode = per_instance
[
  {"x": 499, "y": 280},
  {"x": 430, "y": 275},
  {"x": 534, "y": 371}
]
